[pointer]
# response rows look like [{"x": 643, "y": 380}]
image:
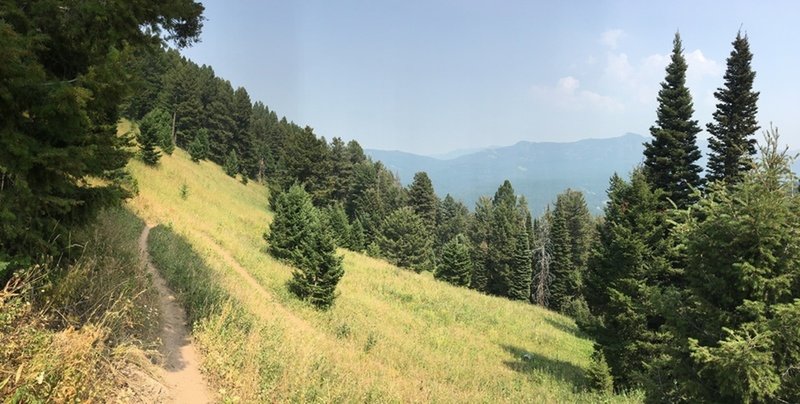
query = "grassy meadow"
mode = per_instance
[{"x": 392, "y": 335}]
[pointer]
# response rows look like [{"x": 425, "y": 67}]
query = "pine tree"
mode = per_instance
[
  {"x": 159, "y": 121},
  {"x": 519, "y": 280},
  {"x": 731, "y": 320},
  {"x": 598, "y": 374},
  {"x": 731, "y": 142},
  {"x": 232, "y": 164},
  {"x": 542, "y": 259},
  {"x": 627, "y": 269},
  {"x": 336, "y": 223},
  {"x": 404, "y": 241},
  {"x": 292, "y": 226},
  {"x": 451, "y": 220},
  {"x": 455, "y": 266},
  {"x": 148, "y": 141},
  {"x": 61, "y": 159},
  {"x": 296, "y": 236},
  {"x": 479, "y": 227},
  {"x": 671, "y": 157},
  {"x": 198, "y": 148},
  {"x": 423, "y": 200},
  {"x": 357, "y": 239},
  {"x": 505, "y": 224},
  {"x": 571, "y": 238}
]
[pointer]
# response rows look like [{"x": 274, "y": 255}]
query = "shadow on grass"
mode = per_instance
[
  {"x": 567, "y": 328},
  {"x": 529, "y": 363}
]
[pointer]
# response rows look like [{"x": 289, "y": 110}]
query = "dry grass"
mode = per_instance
[
  {"x": 79, "y": 332},
  {"x": 392, "y": 336}
]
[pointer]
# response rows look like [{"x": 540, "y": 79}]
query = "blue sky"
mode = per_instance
[{"x": 434, "y": 76}]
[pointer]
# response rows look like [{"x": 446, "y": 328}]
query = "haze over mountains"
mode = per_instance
[{"x": 538, "y": 170}]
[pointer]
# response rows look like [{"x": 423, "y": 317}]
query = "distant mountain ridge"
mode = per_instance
[{"x": 538, "y": 170}]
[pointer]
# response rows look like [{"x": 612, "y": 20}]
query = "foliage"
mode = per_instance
[
  {"x": 671, "y": 157},
  {"x": 357, "y": 239},
  {"x": 63, "y": 75},
  {"x": 159, "y": 122},
  {"x": 198, "y": 148},
  {"x": 599, "y": 374},
  {"x": 519, "y": 280},
  {"x": 455, "y": 266},
  {"x": 742, "y": 252},
  {"x": 731, "y": 142},
  {"x": 296, "y": 235},
  {"x": 571, "y": 235},
  {"x": 148, "y": 139},
  {"x": 231, "y": 166},
  {"x": 423, "y": 200},
  {"x": 405, "y": 242},
  {"x": 628, "y": 267}
]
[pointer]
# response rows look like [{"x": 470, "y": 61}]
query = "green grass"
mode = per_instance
[{"x": 392, "y": 335}]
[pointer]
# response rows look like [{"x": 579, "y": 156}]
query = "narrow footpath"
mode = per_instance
[{"x": 181, "y": 367}]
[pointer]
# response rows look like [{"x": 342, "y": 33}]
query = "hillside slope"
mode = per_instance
[{"x": 392, "y": 335}]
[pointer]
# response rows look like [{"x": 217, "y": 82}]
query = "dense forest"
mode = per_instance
[{"x": 689, "y": 285}]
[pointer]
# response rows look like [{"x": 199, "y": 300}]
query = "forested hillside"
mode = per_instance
[{"x": 309, "y": 272}]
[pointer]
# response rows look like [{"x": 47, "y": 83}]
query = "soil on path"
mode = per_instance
[{"x": 181, "y": 367}]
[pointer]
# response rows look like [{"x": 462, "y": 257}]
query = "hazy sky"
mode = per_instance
[{"x": 433, "y": 76}]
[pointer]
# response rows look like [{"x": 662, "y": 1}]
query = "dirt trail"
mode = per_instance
[{"x": 181, "y": 367}]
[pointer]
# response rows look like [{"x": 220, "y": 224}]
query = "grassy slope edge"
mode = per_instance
[{"x": 392, "y": 335}]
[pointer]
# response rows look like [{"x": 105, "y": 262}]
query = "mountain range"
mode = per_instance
[{"x": 538, "y": 170}]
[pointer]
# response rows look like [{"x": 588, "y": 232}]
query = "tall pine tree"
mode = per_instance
[
  {"x": 671, "y": 157},
  {"x": 405, "y": 242},
  {"x": 423, "y": 200},
  {"x": 731, "y": 142},
  {"x": 455, "y": 266}
]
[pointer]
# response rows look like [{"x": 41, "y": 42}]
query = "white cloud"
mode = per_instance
[
  {"x": 611, "y": 38},
  {"x": 701, "y": 66},
  {"x": 568, "y": 94}
]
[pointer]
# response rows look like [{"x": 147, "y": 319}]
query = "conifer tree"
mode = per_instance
[
  {"x": 565, "y": 282},
  {"x": 505, "y": 224},
  {"x": 480, "y": 225},
  {"x": 732, "y": 319},
  {"x": 296, "y": 236},
  {"x": 599, "y": 374},
  {"x": 148, "y": 141},
  {"x": 423, "y": 200},
  {"x": 627, "y": 268},
  {"x": 232, "y": 164},
  {"x": 519, "y": 280},
  {"x": 731, "y": 142},
  {"x": 198, "y": 148},
  {"x": 158, "y": 120},
  {"x": 451, "y": 220},
  {"x": 542, "y": 257},
  {"x": 336, "y": 223},
  {"x": 671, "y": 157},
  {"x": 455, "y": 266},
  {"x": 61, "y": 159},
  {"x": 571, "y": 237},
  {"x": 404, "y": 241},
  {"x": 357, "y": 239}
]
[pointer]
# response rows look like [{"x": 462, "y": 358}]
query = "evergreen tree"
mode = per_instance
[
  {"x": 242, "y": 140},
  {"x": 519, "y": 281},
  {"x": 731, "y": 142},
  {"x": 599, "y": 375},
  {"x": 542, "y": 259},
  {"x": 505, "y": 224},
  {"x": 61, "y": 159},
  {"x": 198, "y": 148},
  {"x": 671, "y": 157},
  {"x": 451, "y": 220},
  {"x": 480, "y": 225},
  {"x": 320, "y": 270},
  {"x": 455, "y": 266},
  {"x": 232, "y": 164},
  {"x": 731, "y": 321},
  {"x": 181, "y": 96},
  {"x": 293, "y": 225},
  {"x": 148, "y": 140},
  {"x": 628, "y": 266},
  {"x": 336, "y": 223},
  {"x": 565, "y": 284},
  {"x": 158, "y": 121},
  {"x": 423, "y": 200},
  {"x": 404, "y": 241},
  {"x": 342, "y": 167},
  {"x": 357, "y": 238},
  {"x": 571, "y": 237}
]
